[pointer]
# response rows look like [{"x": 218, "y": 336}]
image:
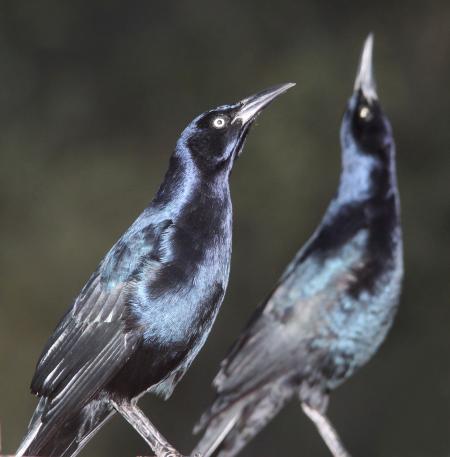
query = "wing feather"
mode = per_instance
[
  {"x": 289, "y": 319},
  {"x": 90, "y": 344}
]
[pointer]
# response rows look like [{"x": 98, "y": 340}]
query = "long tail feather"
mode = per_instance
[
  {"x": 69, "y": 438},
  {"x": 229, "y": 430}
]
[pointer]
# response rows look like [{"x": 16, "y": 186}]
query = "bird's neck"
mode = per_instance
[
  {"x": 365, "y": 177},
  {"x": 184, "y": 183}
]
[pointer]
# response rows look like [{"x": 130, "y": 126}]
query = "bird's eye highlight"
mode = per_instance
[
  {"x": 364, "y": 113},
  {"x": 219, "y": 122}
]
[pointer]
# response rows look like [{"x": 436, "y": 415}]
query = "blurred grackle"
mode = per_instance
[{"x": 335, "y": 302}]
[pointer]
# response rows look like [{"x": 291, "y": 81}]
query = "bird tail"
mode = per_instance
[
  {"x": 68, "y": 438},
  {"x": 231, "y": 424}
]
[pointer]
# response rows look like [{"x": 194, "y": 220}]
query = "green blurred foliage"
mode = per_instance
[{"x": 93, "y": 95}]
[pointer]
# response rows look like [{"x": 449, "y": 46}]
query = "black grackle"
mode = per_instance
[{"x": 146, "y": 311}]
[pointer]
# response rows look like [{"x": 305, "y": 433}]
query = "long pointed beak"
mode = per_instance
[
  {"x": 365, "y": 80},
  {"x": 252, "y": 106}
]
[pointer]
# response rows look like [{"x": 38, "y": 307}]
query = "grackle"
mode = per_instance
[
  {"x": 335, "y": 302},
  {"x": 146, "y": 311}
]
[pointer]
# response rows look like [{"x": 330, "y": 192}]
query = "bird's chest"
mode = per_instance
[
  {"x": 363, "y": 304},
  {"x": 176, "y": 300},
  {"x": 359, "y": 325},
  {"x": 174, "y": 306}
]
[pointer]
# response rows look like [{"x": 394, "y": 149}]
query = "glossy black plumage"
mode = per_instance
[
  {"x": 334, "y": 304},
  {"x": 146, "y": 311}
]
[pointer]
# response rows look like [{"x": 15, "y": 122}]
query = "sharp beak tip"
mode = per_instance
[
  {"x": 253, "y": 105},
  {"x": 365, "y": 78},
  {"x": 282, "y": 88},
  {"x": 289, "y": 85}
]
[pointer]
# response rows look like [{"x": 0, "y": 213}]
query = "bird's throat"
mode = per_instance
[{"x": 364, "y": 176}]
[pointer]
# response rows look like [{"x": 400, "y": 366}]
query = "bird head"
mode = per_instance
[
  {"x": 216, "y": 138},
  {"x": 364, "y": 122}
]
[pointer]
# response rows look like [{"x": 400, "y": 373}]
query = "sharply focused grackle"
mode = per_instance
[
  {"x": 147, "y": 310},
  {"x": 335, "y": 302}
]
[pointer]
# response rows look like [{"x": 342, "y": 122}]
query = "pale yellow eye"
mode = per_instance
[
  {"x": 364, "y": 113},
  {"x": 219, "y": 122}
]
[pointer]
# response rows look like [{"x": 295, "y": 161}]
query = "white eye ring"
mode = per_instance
[{"x": 219, "y": 122}]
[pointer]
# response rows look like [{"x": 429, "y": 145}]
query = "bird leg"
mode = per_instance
[
  {"x": 140, "y": 422},
  {"x": 326, "y": 430}
]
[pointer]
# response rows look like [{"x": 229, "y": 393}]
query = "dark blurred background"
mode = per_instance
[{"x": 93, "y": 95}]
